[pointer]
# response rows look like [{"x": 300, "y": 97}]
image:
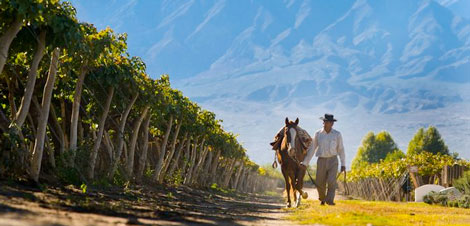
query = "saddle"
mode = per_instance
[
  {"x": 304, "y": 138},
  {"x": 276, "y": 144}
]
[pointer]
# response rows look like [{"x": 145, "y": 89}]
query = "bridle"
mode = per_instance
[{"x": 289, "y": 141}]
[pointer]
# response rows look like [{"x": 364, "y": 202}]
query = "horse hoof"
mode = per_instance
[
  {"x": 304, "y": 195},
  {"x": 288, "y": 205}
]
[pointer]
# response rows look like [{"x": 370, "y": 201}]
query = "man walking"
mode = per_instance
[{"x": 327, "y": 145}]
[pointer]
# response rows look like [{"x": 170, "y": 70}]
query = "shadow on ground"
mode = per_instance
[{"x": 185, "y": 205}]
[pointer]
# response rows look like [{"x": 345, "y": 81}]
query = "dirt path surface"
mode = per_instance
[{"x": 26, "y": 205}]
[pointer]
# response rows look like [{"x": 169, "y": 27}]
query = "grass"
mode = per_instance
[
  {"x": 358, "y": 212},
  {"x": 272, "y": 193}
]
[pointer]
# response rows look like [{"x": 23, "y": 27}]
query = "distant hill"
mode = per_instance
[{"x": 393, "y": 65}]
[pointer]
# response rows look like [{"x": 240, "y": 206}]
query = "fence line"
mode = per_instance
[
  {"x": 374, "y": 189},
  {"x": 451, "y": 173},
  {"x": 379, "y": 189}
]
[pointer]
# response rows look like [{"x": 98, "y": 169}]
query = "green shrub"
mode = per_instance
[
  {"x": 119, "y": 179},
  {"x": 442, "y": 199},
  {"x": 436, "y": 198},
  {"x": 463, "y": 183},
  {"x": 464, "y": 201}
]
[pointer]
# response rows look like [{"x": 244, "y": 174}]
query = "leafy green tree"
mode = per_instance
[
  {"x": 427, "y": 140},
  {"x": 394, "y": 156},
  {"x": 103, "y": 97},
  {"x": 374, "y": 148}
]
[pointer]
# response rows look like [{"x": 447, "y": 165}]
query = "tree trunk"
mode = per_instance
[
  {"x": 178, "y": 154},
  {"x": 213, "y": 169},
  {"x": 97, "y": 144},
  {"x": 190, "y": 174},
  {"x": 159, "y": 165},
  {"x": 228, "y": 173},
  {"x": 135, "y": 135},
  {"x": 6, "y": 39},
  {"x": 143, "y": 155},
  {"x": 207, "y": 164},
  {"x": 3, "y": 121},
  {"x": 120, "y": 135},
  {"x": 11, "y": 98},
  {"x": 109, "y": 145},
  {"x": 41, "y": 131},
  {"x": 241, "y": 179},
  {"x": 76, "y": 109},
  {"x": 58, "y": 128},
  {"x": 80, "y": 129},
  {"x": 197, "y": 168},
  {"x": 50, "y": 152},
  {"x": 170, "y": 154},
  {"x": 237, "y": 175},
  {"x": 246, "y": 181},
  {"x": 29, "y": 89},
  {"x": 187, "y": 158},
  {"x": 63, "y": 115}
]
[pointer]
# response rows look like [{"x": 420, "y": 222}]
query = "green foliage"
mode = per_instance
[
  {"x": 463, "y": 183},
  {"x": 216, "y": 187},
  {"x": 394, "y": 156},
  {"x": 443, "y": 199},
  {"x": 103, "y": 58},
  {"x": 175, "y": 179},
  {"x": 83, "y": 187},
  {"x": 436, "y": 198},
  {"x": 68, "y": 174},
  {"x": 428, "y": 164},
  {"x": 170, "y": 195},
  {"x": 374, "y": 148},
  {"x": 119, "y": 179},
  {"x": 271, "y": 172},
  {"x": 428, "y": 141},
  {"x": 148, "y": 172}
]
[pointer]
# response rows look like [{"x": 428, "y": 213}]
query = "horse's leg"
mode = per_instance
[
  {"x": 300, "y": 184},
  {"x": 292, "y": 182},
  {"x": 287, "y": 182},
  {"x": 304, "y": 194}
]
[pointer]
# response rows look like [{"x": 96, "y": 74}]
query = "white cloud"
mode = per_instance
[
  {"x": 447, "y": 3},
  {"x": 156, "y": 48},
  {"x": 289, "y": 3},
  {"x": 303, "y": 12},
  {"x": 219, "y": 5},
  {"x": 281, "y": 36},
  {"x": 117, "y": 19},
  {"x": 180, "y": 11}
]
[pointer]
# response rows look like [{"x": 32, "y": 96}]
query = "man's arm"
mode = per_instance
[{"x": 340, "y": 150}]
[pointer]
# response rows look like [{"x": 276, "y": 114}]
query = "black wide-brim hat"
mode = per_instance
[{"x": 328, "y": 117}]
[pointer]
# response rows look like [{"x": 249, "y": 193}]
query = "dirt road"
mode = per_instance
[{"x": 26, "y": 205}]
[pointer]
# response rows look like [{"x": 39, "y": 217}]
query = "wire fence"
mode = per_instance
[{"x": 399, "y": 188}]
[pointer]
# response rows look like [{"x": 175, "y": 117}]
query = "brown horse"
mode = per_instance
[{"x": 289, "y": 155}]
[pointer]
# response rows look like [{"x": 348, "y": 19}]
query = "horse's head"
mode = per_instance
[{"x": 290, "y": 137}]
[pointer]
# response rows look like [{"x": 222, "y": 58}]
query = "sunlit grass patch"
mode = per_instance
[{"x": 357, "y": 212}]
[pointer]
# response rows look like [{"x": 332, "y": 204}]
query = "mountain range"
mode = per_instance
[{"x": 394, "y": 65}]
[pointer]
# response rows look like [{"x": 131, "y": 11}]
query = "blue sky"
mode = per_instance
[{"x": 377, "y": 65}]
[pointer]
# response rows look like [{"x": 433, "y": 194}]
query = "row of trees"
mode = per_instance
[
  {"x": 75, "y": 104},
  {"x": 379, "y": 156}
]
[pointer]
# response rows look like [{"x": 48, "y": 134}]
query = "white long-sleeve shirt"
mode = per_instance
[{"x": 326, "y": 145}]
